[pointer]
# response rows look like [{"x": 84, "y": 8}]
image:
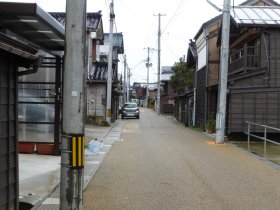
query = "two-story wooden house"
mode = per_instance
[
  {"x": 203, "y": 57},
  {"x": 97, "y": 79},
  {"x": 254, "y": 68},
  {"x": 253, "y": 29},
  {"x": 97, "y": 66}
]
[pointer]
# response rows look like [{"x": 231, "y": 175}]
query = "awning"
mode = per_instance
[
  {"x": 28, "y": 22},
  {"x": 18, "y": 48}
]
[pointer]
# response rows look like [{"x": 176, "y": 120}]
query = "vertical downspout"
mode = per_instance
[
  {"x": 58, "y": 104},
  {"x": 194, "y": 94},
  {"x": 206, "y": 82}
]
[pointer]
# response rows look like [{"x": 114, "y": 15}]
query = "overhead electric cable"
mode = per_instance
[{"x": 174, "y": 14}]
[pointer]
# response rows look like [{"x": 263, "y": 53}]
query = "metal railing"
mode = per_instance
[{"x": 264, "y": 137}]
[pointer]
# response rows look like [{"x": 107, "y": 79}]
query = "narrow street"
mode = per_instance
[{"x": 160, "y": 164}]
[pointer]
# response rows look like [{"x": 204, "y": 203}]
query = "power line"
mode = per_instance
[
  {"x": 169, "y": 48},
  {"x": 174, "y": 14}
]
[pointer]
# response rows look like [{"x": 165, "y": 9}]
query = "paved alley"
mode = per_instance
[{"x": 159, "y": 164}]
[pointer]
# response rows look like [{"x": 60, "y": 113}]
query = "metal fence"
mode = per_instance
[{"x": 263, "y": 138}]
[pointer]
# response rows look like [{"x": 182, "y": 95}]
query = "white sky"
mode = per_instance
[{"x": 136, "y": 20}]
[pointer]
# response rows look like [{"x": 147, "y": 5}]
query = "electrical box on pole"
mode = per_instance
[{"x": 72, "y": 139}]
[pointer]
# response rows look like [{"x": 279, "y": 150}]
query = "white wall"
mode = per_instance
[{"x": 201, "y": 51}]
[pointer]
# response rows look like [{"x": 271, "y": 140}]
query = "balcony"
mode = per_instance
[{"x": 244, "y": 60}]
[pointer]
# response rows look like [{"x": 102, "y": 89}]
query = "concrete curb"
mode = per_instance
[{"x": 92, "y": 163}]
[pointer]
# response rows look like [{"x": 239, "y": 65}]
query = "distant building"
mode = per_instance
[
  {"x": 97, "y": 58},
  {"x": 253, "y": 84},
  {"x": 167, "y": 92}
]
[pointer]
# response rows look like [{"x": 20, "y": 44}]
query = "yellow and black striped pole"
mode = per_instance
[{"x": 77, "y": 151}]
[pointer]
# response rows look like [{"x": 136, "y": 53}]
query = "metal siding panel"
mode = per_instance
[
  {"x": 3, "y": 148},
  {"x": 3, "y": 198},
  {"x": 8, "y": 154},
  {"x": 4, "y": 130},
  {"x": 3, "y": 113}
]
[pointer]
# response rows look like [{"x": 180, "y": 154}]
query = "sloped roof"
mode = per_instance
[
  {"x": 92, "y": 22},
  {"x": 166, "y": 70},
  {"x": 254, "y": 2},
  {"x": 166, "y": 73},
  {"x": 33, "y": 24},
  {"x": 99, "y": 71},
  {"x": 207, "y": 24},
  {"x": 17, "y": 47},
  {"x": 192, "y": 54},
  {"x": 256, "y": 15}
]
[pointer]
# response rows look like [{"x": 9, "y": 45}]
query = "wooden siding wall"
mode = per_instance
[
  {"x": 213, "y": 55},
  {"x": 200, "y": 98},
  {"x": 258, "y": 107},
  {"x": 257, "y": 98},
  {"x": 8, "y": 134},
  {"x": 93, "y": 52},
  {"x": 212, "y": 99},
  {"x": 274, "y": 46}
]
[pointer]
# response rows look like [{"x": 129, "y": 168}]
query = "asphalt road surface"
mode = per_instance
[{"x": 161, "y": 165}]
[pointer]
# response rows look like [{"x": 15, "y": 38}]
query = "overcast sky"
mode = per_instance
[{"x": 137, "y": 21}]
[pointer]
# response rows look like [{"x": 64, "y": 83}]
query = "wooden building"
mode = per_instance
[
  {"x": 97, "y": 79},
  {"x": 167, "y": 92},
  {"x": 253, "y": 93},
  {"x": 254, "y": 68},
  {"x": 97, "y": 59},
  {"x": 203, "y": 57}
]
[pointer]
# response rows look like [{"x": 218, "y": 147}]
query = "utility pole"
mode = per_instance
[
  {"x": 72, "y": 141},
  {"x": 222, "y": 95},
  {"x": 128, "y": 84},
  {"x": 124, "y": 82},
  {"x": 158, "y": 72},
  {"x": 148, "y": 64},
  {"x": 110, "y": 60}
]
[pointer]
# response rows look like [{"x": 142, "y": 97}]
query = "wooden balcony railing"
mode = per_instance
[{"x": 244, "y": 60}]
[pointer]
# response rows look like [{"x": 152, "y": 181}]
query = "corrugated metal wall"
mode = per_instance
[{"x": 8, "y": 134}]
